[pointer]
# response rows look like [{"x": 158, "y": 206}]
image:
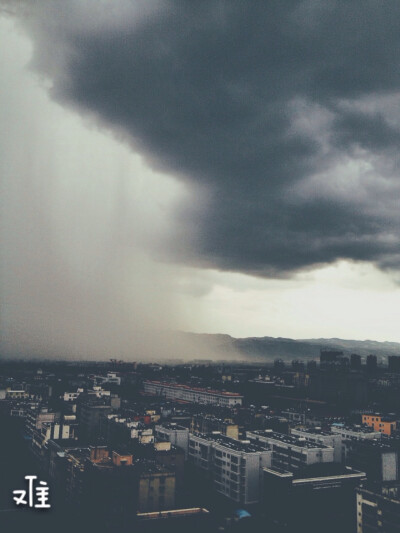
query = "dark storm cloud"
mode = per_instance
[{"x": 251, "y": 101}]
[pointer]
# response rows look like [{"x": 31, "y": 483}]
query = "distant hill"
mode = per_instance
[{"x": 262, "y": 348}]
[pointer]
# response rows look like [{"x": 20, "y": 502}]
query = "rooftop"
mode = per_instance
[
  {"x": 356, "y": 428},
  {"x": 198, "y": 389},
  {"x": 316, "y": 431},
  {"x": 171, "y": 426},
  {"x": 232, "y": 444},
  {"x": 373, "y": 443},
  {"x": 293, "y": 440},
  {"x": 321, "y": 472},
  {"x": 176, "y": 513}
]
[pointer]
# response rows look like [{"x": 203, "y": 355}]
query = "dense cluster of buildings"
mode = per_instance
[{"x": 160, "y": 445}]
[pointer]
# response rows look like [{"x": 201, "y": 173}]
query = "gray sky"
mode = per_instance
[{"x": 221, "y": 166}]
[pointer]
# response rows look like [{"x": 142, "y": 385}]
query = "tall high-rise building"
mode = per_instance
[
  {"x": 394, "y": 363},
  {"x": 355, "y": 361},
  {"x": 372, "y": 363}
]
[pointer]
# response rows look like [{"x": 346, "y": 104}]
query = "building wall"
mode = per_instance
[
  {"x": 178, "y": 436},
  {"x": 156, "y": 492},
  {"x": 181, "y": 392},
  {"x": 174, "y": 459},
  {"x": 390, "y": 466},
  {"x": 376, "y": 422},
  {"x": 208, "y": 424},
  {"x": 288, "y": 455},
  {"x": 235, "y": 474},
  {"x": 333, "y": 441},
  {"x": 347, "y": 433},
  {"x": 376, "y": 512}
]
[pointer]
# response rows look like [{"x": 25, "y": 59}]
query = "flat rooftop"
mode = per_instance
[
  {"x": 314, "y": 431},
  {"x": 354, "y": 428},
  {"x": 176, "y": 513},
  {"x": 373, "y": 443},
  {"x": 293, "y": 440},
  {"x": 172, "y": 427},
  {"x": 195, "y": 389},
  {"x": 232, "y": 444},
  {"x": 327, "y": 471}
]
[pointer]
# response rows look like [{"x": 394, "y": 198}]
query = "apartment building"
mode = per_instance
[
  {"x": 291, "y": 451},
  {"x": 381, "y": 424},
  {"x": 177, "y": 435},
  {"x": 351, "y": 433},
  {"x": 234, "y": 466},
  {"x": 35, "y": 419},
  {"x": 174, "y": 391},
  {"x": 327, "y": 438},
  {"x": 378, "y": 509},
  {"x": 203, "y": 423},
  {"x": 356, "y": 431}
]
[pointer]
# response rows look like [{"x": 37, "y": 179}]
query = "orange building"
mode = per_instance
[{"x": 380, "y": 423}]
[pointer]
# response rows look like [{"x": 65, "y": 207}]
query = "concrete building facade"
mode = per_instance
[
  {"x": 234, "y": 466},
  {"x": 174, "y": 391}
]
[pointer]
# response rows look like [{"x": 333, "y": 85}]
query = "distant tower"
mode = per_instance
[
  {"x": 355, "y": 361},
  {"x": 394, "y": 363},
  {"x": 279, "y": 365},
  {"x": 372, "y": 363},
  {"x": 330, "y": 359}
]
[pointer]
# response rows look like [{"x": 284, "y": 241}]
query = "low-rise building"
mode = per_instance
[
  {"x": 35, "y": 418},
  {"x": 380, "y": 423},
  {"x": 351, "y": 433},
  {"x": 175, "y": 434},
  {"x": 203, "y": 423},
  {"x": 157, "y": 487},
  {"x": 296, "y": 418},
  {"x": 174, "y": 391},
  {"x": 327, "y": 438},
  {"x": 356, "y": 431},
  {"x": 120, "y": 430},
  {"x": 178, "y": 520},
  {"x": 16, "y": 394},
  {"x": 111, "y": 378}
]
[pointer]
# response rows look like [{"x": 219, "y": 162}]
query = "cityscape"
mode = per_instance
[
  {"x": 215, "y": 446},
  {"x": 199, "y": 266}
]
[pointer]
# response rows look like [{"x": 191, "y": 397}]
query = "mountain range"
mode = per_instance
[{"x": 270, "y": 348}]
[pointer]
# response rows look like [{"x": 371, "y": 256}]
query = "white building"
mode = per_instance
[
  {"x": 16, "y": 394},
  {"x": 295, "y": 417},
  {"x": 358, "y": 432},
  {"x": 35, "y": 419},
  {"x": 95, "y": 391},
  {"x": 111, "y": 377},
  {"x": 132, "y": 429},
  {"x": 290, "y": 451},
  {"x": 236, "y": 467},
  {"x": 350, "y": 434},
  {"x": 61, "y": 430},
  {"x": 327, "y": 438},
  {"x": 175, "y": 434},
  {"x": 173, "y": 391}
]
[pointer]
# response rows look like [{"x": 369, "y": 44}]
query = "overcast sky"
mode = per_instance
[{"x": 225, "y": 167}]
